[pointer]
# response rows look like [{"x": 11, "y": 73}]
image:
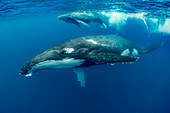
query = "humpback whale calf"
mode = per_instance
[
  {"x": 86, "y": 51},
  {"x": 82, "y": 18}
]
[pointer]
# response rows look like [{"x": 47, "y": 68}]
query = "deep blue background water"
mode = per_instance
[{"x": 141, "y": 87}]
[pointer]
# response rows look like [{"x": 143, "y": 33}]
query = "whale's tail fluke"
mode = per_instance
[{"x": 150, "y": 48}]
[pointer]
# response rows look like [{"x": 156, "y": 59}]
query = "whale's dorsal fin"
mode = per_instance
[
  {"x": 80, "y": 76},
  {"x": 109, "y": 57}
]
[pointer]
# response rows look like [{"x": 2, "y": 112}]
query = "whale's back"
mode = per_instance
[{"x": 112, "y": 42}]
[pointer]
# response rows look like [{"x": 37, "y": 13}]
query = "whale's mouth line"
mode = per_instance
[
  {"x": 52, "y": 64},
  {"x": 43, "y": 65}
]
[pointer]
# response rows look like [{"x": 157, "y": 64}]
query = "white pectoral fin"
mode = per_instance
[
  {"x": 103, "y": 25},
  {"x": 80, "y": 76},
  {"x": 125, "y": 52},
  {"x": 28, "y": 75},
  {"x": 112, "y": 64},
  {"x": 81, "y": 22}
]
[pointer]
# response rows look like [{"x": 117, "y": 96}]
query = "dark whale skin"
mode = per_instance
[{"x": 94, "y": 50}]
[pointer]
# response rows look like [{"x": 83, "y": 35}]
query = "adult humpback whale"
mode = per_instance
[
  {"x": 82, "y": 18},
  {"x": 86, "y": 51}
]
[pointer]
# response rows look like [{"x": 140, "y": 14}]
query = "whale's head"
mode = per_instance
[
  {"x": 65, "y": 17},
  {"x": 26, "y": 69},
  {"x": 40, "y": 62},
  {"x": 32, "y": 66},
  {"x": 50, "y": 59},
  {"x": 69, "y": 18},
  {"x": 62, "y": 17}
]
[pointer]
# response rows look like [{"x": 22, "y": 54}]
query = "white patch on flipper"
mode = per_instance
[
  {"x": 81, "y": 22},
  {"x": 69, "y": 50},
  {"x": 112, "y": 64},
  {"x": 92, "y": 41},
  {"x": 28, "y": 75},
  {"x": 80, "y": 76},
  {"x": 104, "y": 26},
  {"x": 65, "y": 63},
  {"x": 135, "y": 52},
  {"x": 125, "y": 52}
]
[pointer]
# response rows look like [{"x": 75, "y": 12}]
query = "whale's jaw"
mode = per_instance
[{"x": 54, "y": 64}]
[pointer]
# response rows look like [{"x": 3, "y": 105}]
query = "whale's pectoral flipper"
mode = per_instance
[
  {"x": 103, "y": 25},
  {"x": 150, "y": 48},
  {"x": 81, "y": 22},
  {"x": 109, "y": 57},
  {"x": 80, "y": 76}
]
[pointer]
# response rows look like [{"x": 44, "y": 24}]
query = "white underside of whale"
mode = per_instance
[
  {"x": 53, "y": 64},
  {"x": 65, "y": 63}
]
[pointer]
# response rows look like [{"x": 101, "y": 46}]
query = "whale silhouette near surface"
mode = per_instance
[{"x": 82, "y": 18}]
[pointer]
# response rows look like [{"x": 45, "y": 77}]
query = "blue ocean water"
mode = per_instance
[{"x": 28, "y": 27}]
